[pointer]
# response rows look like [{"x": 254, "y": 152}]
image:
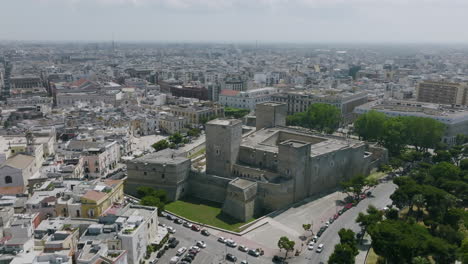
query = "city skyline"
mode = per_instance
[{"x": 240, "y": 21}]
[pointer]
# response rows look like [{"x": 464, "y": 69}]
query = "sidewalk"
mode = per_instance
[{"x": 363, "y": 249}]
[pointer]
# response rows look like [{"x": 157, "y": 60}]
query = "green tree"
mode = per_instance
[
  {"x": 160, "y": 145},
  {"x": 307, "y": 227},
  {"x": 354, "y": 186},
  {"x": 423, "y": 132},
  {"x": 400, "y": 242},
  {"x": 143, "y": 191},
  {"x": 322, "y": 117},
  {"x": 464, "y": 164},
  {"x": 348, "y": 237},
  {"x": 372, "y": 217},
  {"x": 235, "y": 112},
  {"x": 286, "y": 244},
  {"x": 419, "y": 201},
  {"x": 394, "y": 136},
  {"x": 343, "y": 254},
  {"x": 153, "y": 201},
  {"x": 176, "y": 138},
  {"x": 420, "y": 260},
  {"x": 370, "y": 126},
  {"x": 194, "y": 132}
]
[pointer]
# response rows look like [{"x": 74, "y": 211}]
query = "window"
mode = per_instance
[
  {"x": 8, "y": 180},
  {"x": 162, "y": 176},
  {"x": 144, "y": 173}
]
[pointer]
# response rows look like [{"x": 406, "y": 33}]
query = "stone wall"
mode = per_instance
[
  {"x": 271, "y": 196},
  {"x": 240, "y": 199},
  {"x": 169, "y": 177},
  {"x": 328, "y": 170},
  {"x": 208, "y": 187}
]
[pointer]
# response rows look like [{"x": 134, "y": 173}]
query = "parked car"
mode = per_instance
[
  {"x": 244, "y": 262},
  {"x": 187, "y": 259},
  {"x": 231, "y": 243},
  {"x": 181, "y": 251},
  {"x": 201, "y": 244},
  {"x": 174, "y": 260},
  {"x": 171, "y": 230},
  {"x": 174, "y": 243},
  {"x": 310, "y": 246},
  {"x": 222, "y": 240},
  {"x": 195, "y": 248},
  {"x": 178, "y": 221},
  {"x": 315, "y": 238},
  {"x": 187, "y": 224},
  {"x": 319, "y": 248},
  {"x": 336, "y": 216},
  {"x": 205, "y": 232},
  {"x": 170, "y": 217},
  {"x": 254, "y": 253},
  {"x": 195, "y": 228},
  {"x": 191, "y": 255},
  {"x": 243, "y": 248},
  {"x": 278, "y": 259},
  {"x": 231, "y": 257}
]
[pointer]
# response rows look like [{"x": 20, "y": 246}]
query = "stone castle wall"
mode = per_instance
[{"x": 208, "y": 187}]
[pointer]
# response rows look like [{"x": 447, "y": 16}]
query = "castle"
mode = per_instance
[{"x": 252, "y": 171}]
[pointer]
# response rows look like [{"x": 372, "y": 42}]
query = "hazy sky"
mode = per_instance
[{"x": 236, "y": 20}]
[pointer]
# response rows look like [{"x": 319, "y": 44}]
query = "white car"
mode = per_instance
[
  {"x": 222, "y": 240},
  {"x": 174, "y": 260},
  {"x": 171, "y": 230},
  {"x": 201, "y": 244},
  {"x": 181, "y": 251},
  {"x": 319, "y": 248},
  {"x": 231, "y": 243},
  {"x": 315, "y": 238},
  {"x": 243, "y": 248},
  {"x": 244, "y": 262},
  {"x": 310, "y": 246},
  {"x": 197, "y": 249}
]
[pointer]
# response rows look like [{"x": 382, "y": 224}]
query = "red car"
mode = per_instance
[
  {"x": 195, "y": 228},
  {"x": 348, "y": 206},
  {"x": 336, "y": 216}
]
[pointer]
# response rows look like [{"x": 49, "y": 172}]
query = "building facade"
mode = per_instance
[{"x": 441, "y": 92}]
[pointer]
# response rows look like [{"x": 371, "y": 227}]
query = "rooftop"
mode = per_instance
[{"x": 167, "y": 156}]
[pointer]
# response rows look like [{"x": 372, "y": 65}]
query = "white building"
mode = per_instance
[{"x": 247, "y": 99}]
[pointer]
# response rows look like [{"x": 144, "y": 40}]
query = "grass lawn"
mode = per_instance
[
  {"x": 372, "y": 257},
  {"x": 198, "y": 153},
  {"x": 205, "y": 212},
  {"x": 376, "y": 175}
]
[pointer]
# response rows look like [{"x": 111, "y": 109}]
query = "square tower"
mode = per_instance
[
  {"x": 294, "y": 163},
  {"x": 223, "y": 138},
  {"x": 270, "y": 114}
]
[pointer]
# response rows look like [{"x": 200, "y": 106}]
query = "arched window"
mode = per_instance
[{"x": 8, "y": 180}]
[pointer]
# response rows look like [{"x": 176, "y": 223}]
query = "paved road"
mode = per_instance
[
  {"x": 215, "y": 251},
  {"x": 381, "y": 197}
]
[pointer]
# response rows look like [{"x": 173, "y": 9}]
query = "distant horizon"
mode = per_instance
[{"x": 236, "y": 21}]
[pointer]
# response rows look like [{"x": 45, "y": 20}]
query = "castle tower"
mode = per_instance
[
  {"x": 270, "y": 114},
  {"x": 223, "y": 138},
  {"x": 294, "y": 163}
]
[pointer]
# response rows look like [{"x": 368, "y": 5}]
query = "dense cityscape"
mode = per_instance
[{"x": 251, "y": 151}]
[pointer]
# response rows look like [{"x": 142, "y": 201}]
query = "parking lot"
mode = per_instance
[{"x": 215, "y": 251}]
